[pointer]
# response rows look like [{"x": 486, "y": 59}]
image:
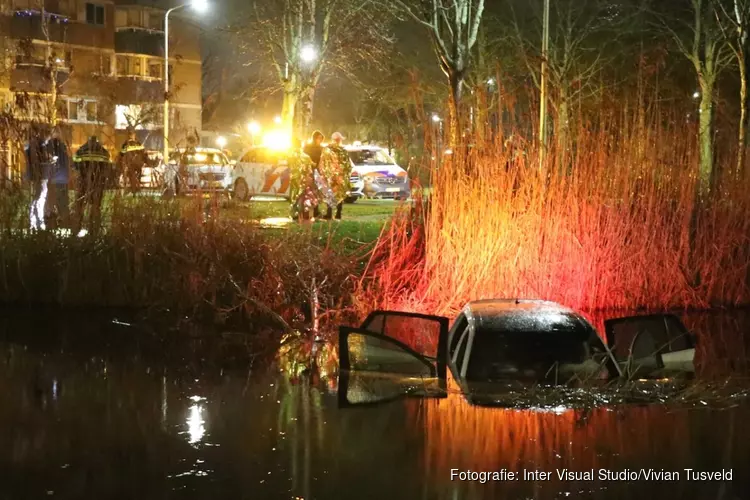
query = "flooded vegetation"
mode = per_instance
[{"x": 123, "y": 418}]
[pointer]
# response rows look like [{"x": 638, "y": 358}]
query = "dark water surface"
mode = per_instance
[{"x": 118, "y": 419}]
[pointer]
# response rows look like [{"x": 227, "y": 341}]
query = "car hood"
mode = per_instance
[{"x": 379, "y": 170}]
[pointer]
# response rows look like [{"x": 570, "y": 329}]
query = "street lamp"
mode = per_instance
[
  {"x": 308, "y": 54},
  {"x": 253, "y": 127},
  {"x": 199, "y": 6},
  {"x": 439, "y": 136}
]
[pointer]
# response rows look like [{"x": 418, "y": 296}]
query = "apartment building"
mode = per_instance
[{"x": 107, "y": 59}]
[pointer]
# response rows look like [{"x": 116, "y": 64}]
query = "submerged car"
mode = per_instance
[
  {"x": 498, "y": 350},
  {"x": 376, "y": 175},
  {"x": 198, "y": 170}
]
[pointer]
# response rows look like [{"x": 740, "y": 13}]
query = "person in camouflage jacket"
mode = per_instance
[
  {"x": 303, "y": 194},
  {"x": 336, "y": 167}
]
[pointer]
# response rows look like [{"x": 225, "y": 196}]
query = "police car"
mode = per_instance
[
  {"x": 375, "y": 174},
  {"x": 261, "y": 170},
  {"x": 198, "y": 170}
]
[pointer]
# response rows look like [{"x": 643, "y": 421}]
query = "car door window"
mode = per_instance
[
  {"x": 462, "y": 341},
  {"x": 421, "y": 333},
  {"x": 455, "y": 334},
  {"x": 370, "y": 352},
  {"x": 654, "y": 333}
]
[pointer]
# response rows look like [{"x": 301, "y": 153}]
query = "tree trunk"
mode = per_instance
[
  {"x": 456, "y": 79},
  {"x": 742, "y": 138},
  {"x": 705, "y": 139},
  {"x": 304, "y": 110},
  {"x": 288, "y": 108}
]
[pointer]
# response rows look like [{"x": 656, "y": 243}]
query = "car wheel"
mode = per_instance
[
  {"x": 241, "y": 191},
  {"x": 350, "y": 199}
]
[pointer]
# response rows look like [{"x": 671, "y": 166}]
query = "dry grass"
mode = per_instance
[{"x": 619, "y": 227}]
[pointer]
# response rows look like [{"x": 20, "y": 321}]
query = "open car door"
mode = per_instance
[
  {"x": 393, "y": 354},
  {"x": 651, "y": 345}
]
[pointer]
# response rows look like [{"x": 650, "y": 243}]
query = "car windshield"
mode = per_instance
[
  {"x": 201, "y": 158},
  {"x": 370, "y": 157},
  {"x": 525, "y": 354}
]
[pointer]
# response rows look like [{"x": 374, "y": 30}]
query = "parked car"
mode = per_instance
[
  {"x": 261, "y": 171},
  {"x": 197, "y": 169},
  {"x": 376, "y": 175},
  {"x": 500, "y": 347}
]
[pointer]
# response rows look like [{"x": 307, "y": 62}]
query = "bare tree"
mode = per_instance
[
  {"x": 453, "y": 26},
  {"x": 702, "y": 42},
  {"x": 581, "y": 35},
  {"x": 736, "y": 18},
  {"x": 303, "y": 39}
]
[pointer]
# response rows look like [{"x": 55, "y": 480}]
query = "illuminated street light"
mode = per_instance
[
  {"x": 308, "y": 54},
  {"x": 277, "y": 120},
  {"x": 435, "y": 117},
  {"x": 253, "y": 127},
  {"x": 200, "y": 6},
  {"x": 221, "y": 141}
]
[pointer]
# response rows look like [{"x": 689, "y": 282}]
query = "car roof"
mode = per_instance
[{"x": 507, "y": 315}]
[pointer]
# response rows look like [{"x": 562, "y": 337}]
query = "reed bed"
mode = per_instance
[{"x": 613, "y": 223}]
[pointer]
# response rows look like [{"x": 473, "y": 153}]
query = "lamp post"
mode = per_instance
[
  {"x": 439, "y": 137},
  {"x": 198, "y": 6}
]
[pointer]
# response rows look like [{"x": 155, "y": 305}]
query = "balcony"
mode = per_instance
[
  {"x": 30, "y": 77},
  {"x": 131, "y": 90},
  {"x": 60, "y": 29},
  {"x": 139, "y": 41}
]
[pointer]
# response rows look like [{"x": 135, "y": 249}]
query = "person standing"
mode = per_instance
[
  {"x": 337, "y": 170},
  {"x": 131, "y": 161},
  {"x": 58, "y": 204},
  {"x": 93, "y": 163},
  {"x": 314, "y": 150},
  {"x": 302, "y": 193},
  {"x": 38, "y": 169}
]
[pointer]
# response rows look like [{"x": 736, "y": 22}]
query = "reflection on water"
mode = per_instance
[
  {"x": 195, "y": 422},
  {"x": 109, "y": 425}
]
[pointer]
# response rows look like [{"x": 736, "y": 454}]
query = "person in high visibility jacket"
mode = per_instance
[
  {"x": 93, "y": 164},
  {"x": 130, "y": 162}
]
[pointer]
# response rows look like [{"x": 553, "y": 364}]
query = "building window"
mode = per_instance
[
  {"x": 91, "y": 108},
  {"x": 83, "y": 111},
  {"x": 66, "y": 7},
  {"x": 137, "y": 66},
  {"x": 123, "y": 66},
  {"x": 155, "y": 69},
  {"x": 156, "y": 21},
  {"x": 134, "y": 17},
  {"x": 95, "y": 14}
]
